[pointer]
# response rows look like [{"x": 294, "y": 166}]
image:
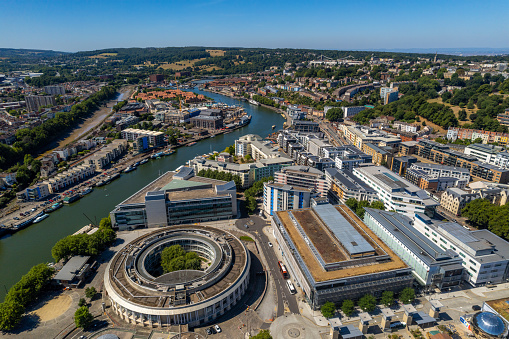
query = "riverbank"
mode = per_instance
[
  {"x": 90, "y": 123},
  {"x": 32, "y": 245},
  {"x": 277, "y": 110}
]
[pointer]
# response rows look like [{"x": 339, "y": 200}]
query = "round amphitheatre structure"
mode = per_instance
[{"x": 142, "y": 294}]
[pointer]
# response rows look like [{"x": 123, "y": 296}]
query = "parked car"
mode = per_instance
[
  {"x": 217, "y": 328},
  {"x": 270, "y": 244}
]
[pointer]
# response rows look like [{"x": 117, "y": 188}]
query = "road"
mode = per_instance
[
  {"x": 286, "y": 302},
  {"x": 331, "y": 134}
]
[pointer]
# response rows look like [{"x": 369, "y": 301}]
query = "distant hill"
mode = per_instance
[
  {"x": 28, "y": 53},
  {"x": 452, "y": 51}
]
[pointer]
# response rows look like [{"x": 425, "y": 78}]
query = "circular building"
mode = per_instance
[
  {"x": 141, "y": 293},
  {"x": 488, "y": 325}
]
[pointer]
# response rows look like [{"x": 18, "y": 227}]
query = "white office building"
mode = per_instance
[
  {"x": 485, "y": 255},
  {"x": 395, "y": 192}
]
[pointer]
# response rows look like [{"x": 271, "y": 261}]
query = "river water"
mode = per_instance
[{"x": 31, "y": 246}]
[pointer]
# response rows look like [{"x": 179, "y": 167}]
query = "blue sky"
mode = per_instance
[{"x": 76, "y": 25}]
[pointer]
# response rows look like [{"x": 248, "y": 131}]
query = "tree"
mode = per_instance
[
  {"x": 82, "y": 302},
  {"x": 175, "y": 258},
  {"x": 367, "y": 303},
  {"x": 387, "y": 298},
  {"x": 10, "y": 315},
  {"x": 347, "y": 307},
  {"x": 478, "y": 212},
  {"x": 263, "y": 334},
  {"x": 407, "y": 295},
  {"x": 82, "y": 317},
  {"x": 334, "y": 114},
  {"x": 328, "y": 309},
  {"x": 351, "y": 203},
  {"x": 378, "y": 205},
  {"x": 90, "y": 292},
  {"x": 462, "y": 115}
]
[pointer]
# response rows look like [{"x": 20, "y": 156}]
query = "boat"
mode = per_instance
[
  {"x": 273, "y": 126},
  {"x": 53, "y": 207},
  {"x": 144, "y": 161},
  {"x": 72, "y": 198},
  {"x": 191, "y": 144},
  {"x": 87, "y": 190},
  {"x": 253, "y": 102},
  {"x": 246, "y": 119},
  {"x": 168, "y": 152},
  {"x": 129, "y": 169},
  {"x": 41, "y": 218},
  {"x": 114, "y": 176},
  {"x": 136, "y": 164}
]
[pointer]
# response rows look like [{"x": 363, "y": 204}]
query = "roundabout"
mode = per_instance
[{"x": 142, "y": 294}]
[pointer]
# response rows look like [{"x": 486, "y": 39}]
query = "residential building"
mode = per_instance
[
  {"x": 399, "y": 165},
  {"x": 485, "y": 255},
  {"x": 396, "y": 193},
  {"x": 358, "y": 135},
  {"x": 304, "y": 126},
  {"x": 254, "y": 146},
  {"x": 389, "y": 94},
  {"x": 407, "y": 147},
  {"x": 34, "y": 193},
  {"x": 441, "y": 154},
  {"x": 332, "y": 255},
  {"x": 343, "y": 185},
  {"x": 503, "y": 118},
  {"x": 405, "y": 127},
  {"x": 432, "y": 265},
  {"x": 107, "y": 154},
  {"x": 248, "y": 172},
  {"x": 156, "y": 139},
  {"x": 347, "y": 157},
  {"x": 34, "y": 102},
  {"x": 303, "y": 176},
  {"x": 177, "y": 198},
  {"x": 454, "y": 200},
  {"x": 69, "y": 177},
  {"x": 484, "y": 153},
  {"x": 282, "y": 197},
  {"x": 428, "y": 181},
  {"x": 380, "y": 156},
  {"x": 207, "y": 122},
  {"x": 437, "y": 170},
  {"x": 352, "y": 110},
  {"x": 54, "y": 90}
]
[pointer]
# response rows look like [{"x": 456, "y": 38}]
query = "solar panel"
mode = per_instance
[{"x": 344, "y": 232}]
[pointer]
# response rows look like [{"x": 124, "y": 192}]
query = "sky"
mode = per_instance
[{"x": 83, "y": 25}]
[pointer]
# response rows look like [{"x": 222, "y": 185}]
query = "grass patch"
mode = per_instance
[
  {"x": 215, "y": 52},
  {"x": 246, "y": 238},
  {"x": 103, "y": 55}
]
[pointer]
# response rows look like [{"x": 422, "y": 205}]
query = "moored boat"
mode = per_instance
[{"x": 41, "y": 218}]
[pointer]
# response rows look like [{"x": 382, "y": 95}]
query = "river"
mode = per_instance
[{"x": 31, "y": 246}]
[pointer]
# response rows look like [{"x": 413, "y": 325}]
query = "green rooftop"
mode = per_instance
[{"x": 179, "y": 184}]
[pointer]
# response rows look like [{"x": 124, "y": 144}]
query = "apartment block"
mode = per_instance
[
  {"x": 303, "y": 176},
  {"x": 156, "y": 139},
  {"x": 282, "y": 197},
  {"x": 343, "y": 185},
  {"x": 34, "y": 102},
  {"x": 454, "y": 200}
]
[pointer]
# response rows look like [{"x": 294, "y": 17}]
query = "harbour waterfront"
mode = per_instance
[{"x": 31, "y": 246}]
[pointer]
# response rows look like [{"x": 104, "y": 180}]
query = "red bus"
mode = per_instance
[{"x": 283, "y": 270}]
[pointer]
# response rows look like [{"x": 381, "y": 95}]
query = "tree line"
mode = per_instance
[
  {"x": 26, "y": 290},
  {"x": 85, "y": 244},
  {"x": 367, "y": 303},
  {"x": 221, "y": 176}
]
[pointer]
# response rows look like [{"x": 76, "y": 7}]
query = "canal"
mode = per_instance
[{"x": 31, "y": 246}]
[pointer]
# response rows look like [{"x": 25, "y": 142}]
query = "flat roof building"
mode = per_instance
[
  {"x": 344, "y": 185},
  {"x": 396, "y": 193},
  {"x": 334, "y": 256},
  {"x": 74, "y": 271},
  {"x": 177, "y": 198},
  {"x": 432, "y": 265},
  {"x": 485, "y": 255}
]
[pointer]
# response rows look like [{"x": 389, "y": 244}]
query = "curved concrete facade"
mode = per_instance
[{"x": 182, "y": 297}]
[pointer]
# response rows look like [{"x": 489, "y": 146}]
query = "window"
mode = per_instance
[
  {"x": 473, "y": 270},
  {"x": 462, "y": 255},
  {"x": 434, "y": 234},
  {"x": 442, "y": 240}
]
